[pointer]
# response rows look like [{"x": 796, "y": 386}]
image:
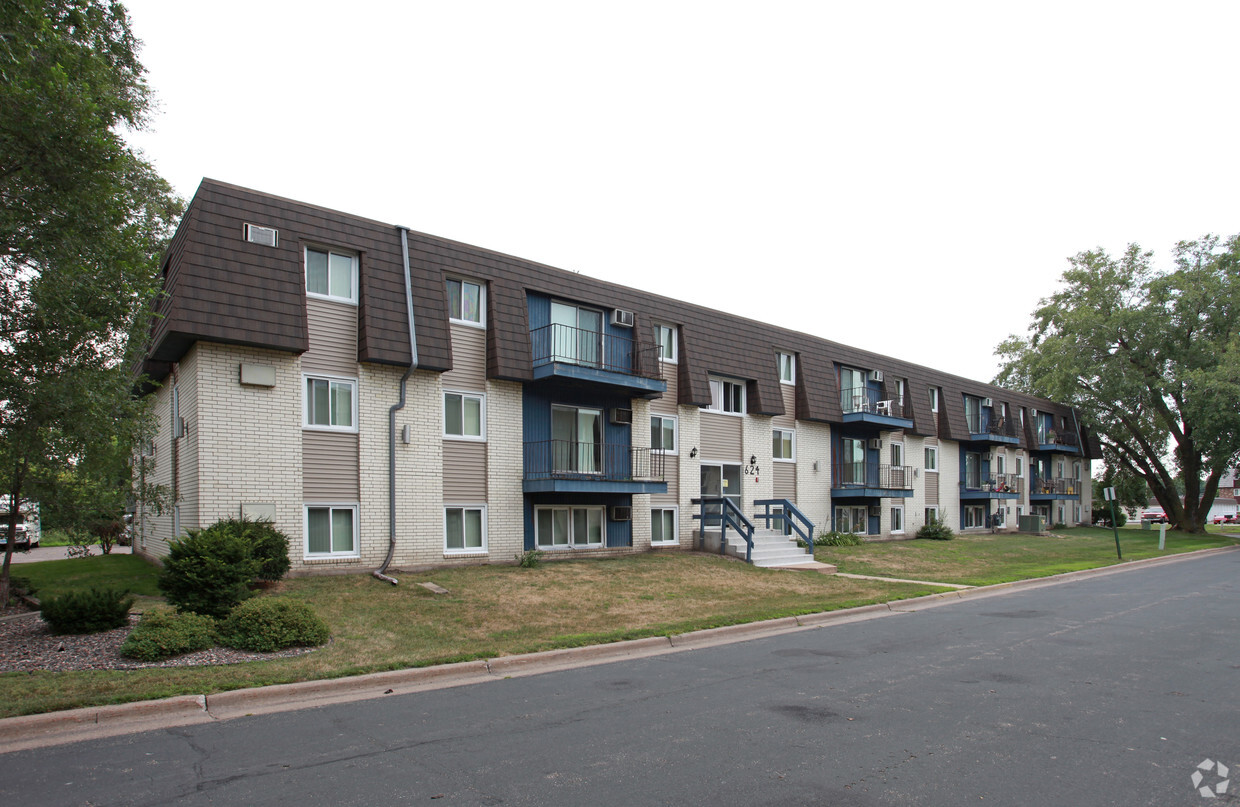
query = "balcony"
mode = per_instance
[
  {"x": 992, "y": 486},
  {"x": 871, "y": 480},
  {"x": 1051, "y": 487},
  {"x": 1061, "y": 442},
  {"x": 569, "y": 466},
  {"x": 862, "y": 405},
  {"x": 991, "y": 429},
  {"x": 576, "y": 354}
]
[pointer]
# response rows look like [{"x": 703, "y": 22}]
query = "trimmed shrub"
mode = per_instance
[
  {"x": 273, "y": 623},
  {"x": 163, "y": 634},
  {"x": 87, "y": 611},
  {"x": 839, "y": 539},
  {"x": 267, "y": 544},
  {"x": 936, "y": 529},
  {"x": 209, "y": 571}
]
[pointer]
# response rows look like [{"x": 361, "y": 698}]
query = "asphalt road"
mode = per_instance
[{"x": 1108, "y": 690}]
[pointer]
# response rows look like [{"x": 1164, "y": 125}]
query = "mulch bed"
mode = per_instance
[{"x": 26, "y": 645}]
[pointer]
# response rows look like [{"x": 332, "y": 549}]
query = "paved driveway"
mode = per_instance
[{"x": 55, "y": 553}]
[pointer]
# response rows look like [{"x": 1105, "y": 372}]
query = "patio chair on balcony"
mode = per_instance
[{"x": 882, "y": 407}]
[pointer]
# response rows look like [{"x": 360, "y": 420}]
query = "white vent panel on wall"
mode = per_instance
[{"x": 267, "y": 236}]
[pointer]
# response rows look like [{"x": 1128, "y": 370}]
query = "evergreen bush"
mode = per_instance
[
  {"x": 87, "y": 611},
  {"x": 936, "y": 529},
  {"x": 209, "y": 571},
  {"x": 163, "y": 634},
  {"x": 266, "y": 624}
]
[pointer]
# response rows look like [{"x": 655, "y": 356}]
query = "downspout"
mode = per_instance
[{"x": 413, "y": 365}]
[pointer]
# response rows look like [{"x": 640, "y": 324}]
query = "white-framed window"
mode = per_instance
[
  {"x": 932, "y": 514},
  {"x": 900, "y": 392},
  {"x": 330, "y": 403},
  {"x": 331, "y": 531},
  {"x": 783, "y": 445},
  {"x": 1000, "y": 463},
  {"x": 663, "y": 527},
  {"x": 974, "y": 516},
  {"x": 1020, "y": 465},
  {"x": 1076, "y": 472},
  {"x": 467, "y": 302},
  {"x": 852, "y": 519},
  {"x": 897, "y": 519},
  {"x": 1000, "y": 519},
  {"x": 787, "y": 368},
  {"x": 569, "y": 527},
  {"x": 1059, "y": 513},
  {"x": 1076, "y": 514},
  {"x": 934, "y": 399},
  {"x": 1059, "y": 469},
  {"x": 727, "y": 396},
  {"x": 465, "y": 415},
  {"x": 665, "y": 338},
  {"x": 465, "y": 529},
  {"x": 932, "y": 459},
  {"x": 897, "y": 455},
  {"x": 331, "y": 275},
  {"x": 663, "y": 433}
]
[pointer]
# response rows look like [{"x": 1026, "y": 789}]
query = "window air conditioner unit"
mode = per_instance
[
  {"x": 876, "y": 443},
  {"x": 621, "y": 417},
  {"x": 1033, "y": 412},
  {"x": 875, "y": 511},
  {"x": 622, "y": 513},
  {"x": 876, "y": 375},
  {"x": 622, "y": 318},
  {"x": 267, "y": 236},
  {"x": 988, "y": 402}
]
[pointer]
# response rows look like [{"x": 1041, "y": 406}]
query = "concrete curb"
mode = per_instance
[{"x": 58, "y": 728}]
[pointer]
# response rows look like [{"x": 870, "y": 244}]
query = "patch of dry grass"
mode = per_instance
[{"x": 489, "y": 611}]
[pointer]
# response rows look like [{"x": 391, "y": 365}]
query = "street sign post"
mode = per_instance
[{"x": 1108, "y": 494}]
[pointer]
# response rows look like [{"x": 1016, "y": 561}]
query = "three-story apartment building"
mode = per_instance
[{"x": 381, "y": 393}]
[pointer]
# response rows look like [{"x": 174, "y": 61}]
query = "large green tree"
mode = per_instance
[
  {"x": 1152, "y": 360},
  {"x": 83, "y": 220}
]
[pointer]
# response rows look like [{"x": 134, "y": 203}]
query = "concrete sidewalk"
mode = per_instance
[{"x": 57, "y": 728}]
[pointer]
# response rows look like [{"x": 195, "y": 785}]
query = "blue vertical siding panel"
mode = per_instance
[{"x": 539, "y": 307}]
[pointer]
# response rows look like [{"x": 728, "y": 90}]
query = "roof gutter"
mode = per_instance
[{"x": 380, "y": 573}]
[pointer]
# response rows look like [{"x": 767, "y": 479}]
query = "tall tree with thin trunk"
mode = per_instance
[
  {"x": 1152, "y": 360},
  {"x": 83, "y": 220}
]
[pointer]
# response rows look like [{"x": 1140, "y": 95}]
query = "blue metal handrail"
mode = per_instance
[
  {"x": 790, "y": 516},
  {"x": 729, "y": 516}
]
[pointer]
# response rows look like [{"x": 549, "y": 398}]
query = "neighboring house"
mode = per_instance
[{"x": 546, "y": 409}]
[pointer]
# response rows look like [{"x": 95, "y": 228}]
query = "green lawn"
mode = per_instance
[
  {"x": 979, "y": 560},
  {"x": 117, "y": 571},
  {"x": 490, "y": 611}
]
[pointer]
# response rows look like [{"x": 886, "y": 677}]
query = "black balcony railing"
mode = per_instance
[
  {"x": 605, "y": 462},
  {"x": 1055, "y": 485},
  {"x": 992, "y": 483},
  {"x": 871, "y": 475},
  {"x": 982, "y": 423},
  {"x": 615, "y": 354},
  {"x": 1057, "y": 438},
  {"x": 863, "y": 399}
]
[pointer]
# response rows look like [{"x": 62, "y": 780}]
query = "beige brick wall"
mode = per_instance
[
  {"x": 814, "y": 487},
  {"x": 949, "y": 483},
  {"x": 689, "y": 421},
  {"x": 505, "y": 447}
]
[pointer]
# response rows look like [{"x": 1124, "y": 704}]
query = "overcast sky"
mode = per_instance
[{"x": 904, "y": 177}]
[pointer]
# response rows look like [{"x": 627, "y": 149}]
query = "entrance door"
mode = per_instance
[
  {"x": 577, "y": 436},
  {"x": 576, "y": 334},
  {"x": 721, "y": 480}
]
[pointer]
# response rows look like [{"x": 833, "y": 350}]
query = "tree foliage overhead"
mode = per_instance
[
  {"x": 83, "y": 220},
  {"x": 1152, "y": 360}
]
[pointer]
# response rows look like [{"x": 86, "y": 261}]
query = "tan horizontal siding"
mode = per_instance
[
  {"x": 329, "y": 466},
  {"x": 788, "y": 420},
  {"x": 932, "y": 485},
  {"x": 464, "y": 472},
  {"x": 333, "y": 337},
  {"x": 784, "y": 481},
  {"x": 469, "y": 360},
  {"x": 721, "y": 437}
]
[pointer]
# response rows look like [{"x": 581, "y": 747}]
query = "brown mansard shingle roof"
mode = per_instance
[{"x": 221, "y": 288}]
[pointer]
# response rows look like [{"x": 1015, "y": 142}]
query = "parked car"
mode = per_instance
[
  {"x": 1155, "y": 516},
  {"x": 1230, "y": 518},
  {"x": 23, "y": 541}
]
